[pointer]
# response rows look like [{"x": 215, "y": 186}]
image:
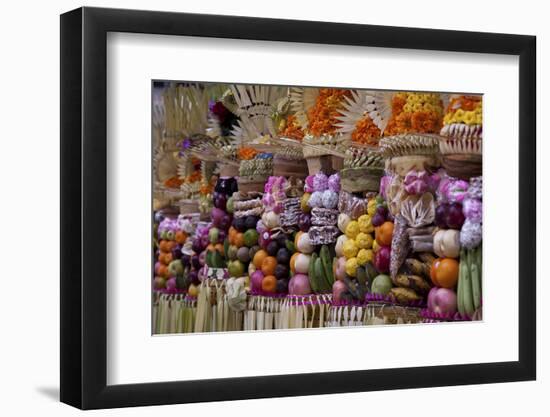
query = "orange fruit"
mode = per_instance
[
  {"x": 181, "y": 237},
  {"x": 163, "y": 271},
  {"x": 444, "y": 272},
  {"x": 210, "y": 247},
  {"x": 219, "y": 248},
  {"x": 384, "y": 233},
  {"x": 269, "y": 283},
  {"x": 259, "y": 258},
  {"x": 231, "y": 235},
  {"x": 163, "y": 246},
  {"x": 433, "y": 268},
  {"x": 238, "y": 240},
  {"x": 293, "y": 261},
  {"x": 268, "y": 265}
]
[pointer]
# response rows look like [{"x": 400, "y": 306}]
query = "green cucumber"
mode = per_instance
[
  {"x": 460, "y": 286},
  {"x": 320, "y": 274},
  {"x": 311, "y": 273},
  {"x": 208, "y": 259},
  {"x": 476, "y": 281},
  {"x": 327, "y": 264},
  {"x": 468, "y": 297}
]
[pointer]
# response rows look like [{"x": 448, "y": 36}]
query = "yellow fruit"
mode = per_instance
[
  {"x": 363, "y": 240},
  {"x": 375, "y": 246},
  {"x": 351, "y": 267},
  {"x": 365, "y": 224},
  {"x": 371, "y": 207},
  {"x": 364, "y": 256},
  {"x": 349, "y": 249},
  {"x": 352, "y": 229}
]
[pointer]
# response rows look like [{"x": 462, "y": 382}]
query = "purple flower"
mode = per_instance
[
  {"x": 473, "y": 210},
  {"x": 320, "y": 182},
  {"x": 334, "y": 183},
  {"x": 457, "y": 191},
  {"x": 416, "y": 182},
  {"x": 384, "y": 183}
]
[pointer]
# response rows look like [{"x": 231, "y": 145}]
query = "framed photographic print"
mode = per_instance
[{"x": 276, "y": 192}]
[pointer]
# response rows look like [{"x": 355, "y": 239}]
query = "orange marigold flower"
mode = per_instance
[
  {"x": 173, "y": 182},
  {"x": 247, "y": 153},
  {"x": 292, "y": 129},
  {"x": 366, "y": 132},
  {"x": 322, "y": 116}
]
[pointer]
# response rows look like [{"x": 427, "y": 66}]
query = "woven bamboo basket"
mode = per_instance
[{"x": 251, "y": 184}]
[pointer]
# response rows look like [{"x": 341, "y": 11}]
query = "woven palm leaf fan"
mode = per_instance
[
  {"x": 255, "y": 105},
  {"x": 186, "y": 108},
  {"x": 357, "y": 118},
  {"x": 378, "y": 106},
  {"x": 301, "y": 100},
  {"x": 165, "y": 164}
]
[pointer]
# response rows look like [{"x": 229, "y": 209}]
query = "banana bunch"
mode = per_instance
[
  {"x": 320, "y": 272},
  {"x": 469, "y": 281}
]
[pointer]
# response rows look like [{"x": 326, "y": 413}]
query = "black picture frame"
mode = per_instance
[{"x": 84, "y": 207}]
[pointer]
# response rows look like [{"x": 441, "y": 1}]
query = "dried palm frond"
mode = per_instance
[
  {"x": 375, "y": 104},
  {"x": 301, "y": 100},
  {"x": 254, "y": 106}
]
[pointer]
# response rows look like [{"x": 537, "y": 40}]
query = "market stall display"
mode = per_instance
[{"x": 315, "y": 207}]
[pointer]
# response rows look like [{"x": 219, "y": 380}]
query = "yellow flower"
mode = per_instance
[
  {"x": 417, "y": 107},
  {"x": 371, "y": 207},
  {"x": 364, "y": 240},
  {"x": 469, "y": 118},
  {"x": 428, "y": 107},
  {"x": 459, "y": 116},
  {"x": 479, "y": 119},
  {"x": 412, "y": 99},
  {"x": 364, "y": 256},
  {"x": 407, "y": 108},
  {"x": 349, "y": 249},
  {"x": 352, "y": 229},
  {"x": 365, "y": 223},
  {"x": 351, "y": 267}
]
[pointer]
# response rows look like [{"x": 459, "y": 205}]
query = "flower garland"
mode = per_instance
[
  {"x": 173, "y": 182},
  {"x": 292, "y": 128},
  {"x": 323, "y": 115},
  {"x": 366, "y": 132},
  {"x": 464, "y": 109},
  {"x": 247, "y": 153},
  {"x": 415, "y": 113}
]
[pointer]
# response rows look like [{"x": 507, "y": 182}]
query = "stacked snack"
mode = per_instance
[
  {"x": 324, "y": 195},
  {"x": 312, "y": 269},
  {"x": 270, "y": 271},
  {"x": 461, "y": 144}
]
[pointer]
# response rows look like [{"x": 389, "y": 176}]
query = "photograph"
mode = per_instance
[{"x": 283, "y": 207}]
